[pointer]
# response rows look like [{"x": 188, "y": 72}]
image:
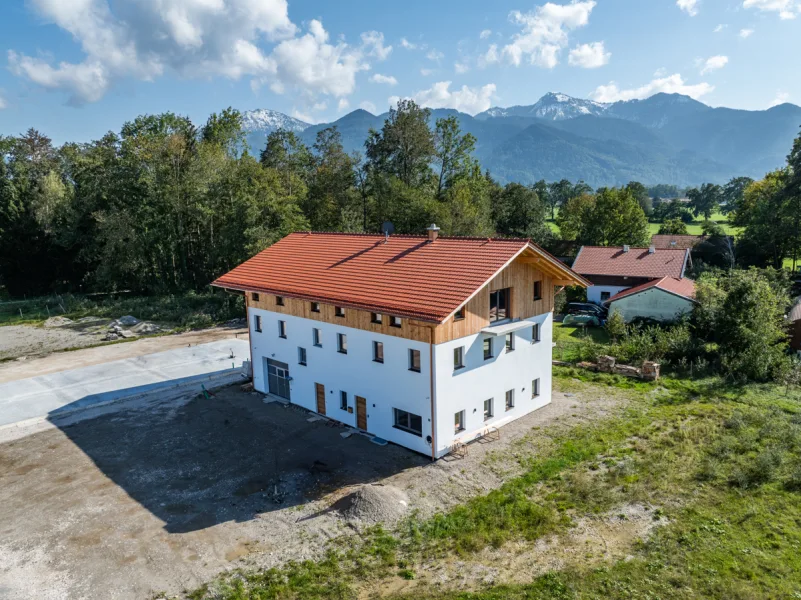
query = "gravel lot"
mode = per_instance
[{"x": 161, "y": 495}]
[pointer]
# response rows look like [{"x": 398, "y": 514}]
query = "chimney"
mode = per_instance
[
  {"x": 433, "y": 232},
  {"x": 651, "y": 249},
  {"x": 626, "y": 248}
]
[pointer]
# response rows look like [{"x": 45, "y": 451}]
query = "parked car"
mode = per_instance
[{"x": 587, "y": 308}]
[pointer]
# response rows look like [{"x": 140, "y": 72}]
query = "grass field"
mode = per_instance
[
  {"x": 693, "y": 228},
  {"x": 716, "y": 466}
]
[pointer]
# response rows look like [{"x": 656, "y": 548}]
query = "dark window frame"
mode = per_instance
[
  {"x": 343, "y": 400},
  {"x": 488, "y": 414},
  {"x": 458, "y": 428},
  {"x": 279, "y": 301},
  {"x": 317, "y": 337},
  {"x": 459, "y": 314},
  {"x": 376, "y": 357},
  {"x": 497, "y": 295},
  {"x": 314, "y": 307},
  {"x": 488, "y": 345},
  {"x": 395, "y": 321},
  {"x": 399, "y": 415},
  {"x": 509, "y": 401},
  {"x": 254, "y": 296},
  {"x": 535, "y": 334},
  {"x": 538, "y": 290},
  {"x": 302, "y": 356},
  {"x": 605, "y": 296},
  {"x": 282, "y": 329},
  {"x": 339, "y": 311},
  {"x": 342, "y": 343},
  {"x": 458, "y": 358},
  {"x": 535, "y": 388},
  {"x": 509, "y": 342},
  {"x": 257, "y": 323},
  {"x": 377, "y": 318},
  {"x": 412, "y": 353}
]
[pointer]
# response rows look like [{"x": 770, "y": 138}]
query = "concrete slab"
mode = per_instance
[{"x": 58, "y": 393}]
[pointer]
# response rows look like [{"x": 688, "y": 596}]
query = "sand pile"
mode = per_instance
[{"x": 374, "y": 504}]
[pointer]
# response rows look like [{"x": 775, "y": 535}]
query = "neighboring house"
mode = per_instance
[
  {"x": 662, "y": 241},
  {"x": 663, "y": 299},
  {"x": 795, "y": 325},
  {"x": 614, "y": 269},
  {"x": 423, "y": 341}
]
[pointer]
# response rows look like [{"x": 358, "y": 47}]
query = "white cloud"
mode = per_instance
[
  {"x": 688, "y": 6},
  {"x": 485, "y": 34},
  {"x": 368, "y": 106},
  {"x": 746, "y": 33},
  {"x": 373, "y": 42},
  {"x": 589, "y": 56},
  {"x": 673, "y": 84},
  {"x": 343, "y": 104},
  {"x": 491, "y": 57},
  {"x": 435, "y": 55},
  {"x": 303, "y": 116},
  {"x": 787, "y": 9},
  {"x": 660, "y": 72},
  {"x": 781, "y": 98},
  {"x": 461, "y": 67},
  {"x": 426, "y": 72},
  {"x": 407, "y": 44},
  {"x": 147, "y": 39},
  {"x": 714, "y": 63},
  {"x": 467, "y": 99},
  {"x": 385, "y": 79},
  {"x": 720, "y": 28},
  {"x": 544, "y": 33},
  {"x": 3, "y": 103}
]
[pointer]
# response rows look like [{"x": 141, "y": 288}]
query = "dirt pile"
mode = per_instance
[
  {"x": 373, "y": 504},
  {"x": 57, "y": 322}
]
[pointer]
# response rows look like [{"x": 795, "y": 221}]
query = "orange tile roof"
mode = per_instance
[
  {"x": 682, "y": 241},
  {"x": 680, "y": 287},
  {"x": 405, "y": 276},
  {"x": 637, "y": 262}
]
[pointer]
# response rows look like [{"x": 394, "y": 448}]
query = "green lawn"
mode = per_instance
[{"x": 693, "y": 228}]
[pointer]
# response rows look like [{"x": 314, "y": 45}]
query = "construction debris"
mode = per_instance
[{"x": 371, "y": 504}]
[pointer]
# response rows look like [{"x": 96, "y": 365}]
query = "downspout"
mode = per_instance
[
  {"x": 250, "y": 341},
  {"x": 433, "y": 402}
]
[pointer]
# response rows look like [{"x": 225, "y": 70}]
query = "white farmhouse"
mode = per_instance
[{"x": 426, "y": 342}]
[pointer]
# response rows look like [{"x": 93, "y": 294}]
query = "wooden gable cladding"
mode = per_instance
[{"x": 358, "y": 319}]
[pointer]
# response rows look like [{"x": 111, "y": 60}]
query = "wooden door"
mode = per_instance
[
  {"x": 320, "y": 389},
  {"x": 361, "y": 413}
]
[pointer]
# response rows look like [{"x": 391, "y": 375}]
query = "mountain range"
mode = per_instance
[{"x": 667, "y": 138}]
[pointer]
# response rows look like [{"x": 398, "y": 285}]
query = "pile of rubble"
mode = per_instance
[
  {"x": 372, "y": 504},
  {"x": 128, "y": 327}
]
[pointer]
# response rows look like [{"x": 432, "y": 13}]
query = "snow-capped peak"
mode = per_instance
[{"x": 267, "y": 120}]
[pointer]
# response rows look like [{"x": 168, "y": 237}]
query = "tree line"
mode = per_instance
[{"x": 165, "y": 206}]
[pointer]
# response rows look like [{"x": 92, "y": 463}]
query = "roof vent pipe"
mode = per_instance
[
  {"x": 433, "y": 232},
  {"x": 626, "y": 248},
  {"x": 651, "y": 249}
]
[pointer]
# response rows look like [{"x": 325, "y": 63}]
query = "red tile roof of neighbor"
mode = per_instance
[
  {"x": 681, "y": 241},
  {"x": 680, "y": 287},
  {"x": 407, "y": 276},
  {"x": 637, "y": 262}
]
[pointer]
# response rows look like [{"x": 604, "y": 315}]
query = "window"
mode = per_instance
[
  {"x": 301, "y": 356},
  {"x": 376, "y": 318},
  {"x": 510, "y": 399},
  {"x": 394, "y": 321},
  {"x": 487, "y": 409},
  {"x": 510, "y": 342},
  {"x": 378, "y": 352},
  {"x": 279, "y": 300},
  {"x": 282, "y": 329},
  {"x": 408, "y": 422},
  {"x": 537, "y": 290},
  {"x": 342, "y": 343},
  {"x": 499, "y": 305},
  {"x": 257, "y": 323},
  {"x": 315, "y": 307},
  {"x": 458, "y": 358},
  {"x": 535, "y": 333},
  {"x": 459, "y": 314},
  {"x": 343, "y": 400},
  {"x": 414, "y": 360},
  {"x": 458, "y": 422},
  {"x": 605, "y": 296},
  {"x": 339, "y": 311},
  {"x": 487, "y": 348},
  {"x": 317, "y": 337},
  {"x": 254, "y": 296},
  {"x": 535, "y": 388}
]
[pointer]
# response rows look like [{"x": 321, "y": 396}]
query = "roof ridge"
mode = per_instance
[{"x": 412, "y": 235}]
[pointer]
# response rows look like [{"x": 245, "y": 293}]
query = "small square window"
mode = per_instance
[
  {"x": 279, "y": 300},
  {"x": 378, "y": 352},
  {"x": 458, "y": 422},
  {"x": 317, "y": 337},
  {"x": 343, "y": 400},
  {"x": 301, "y": 356},
  {"x": 342, "y": 343},
  {"x": 376, "y": 318},
  {"x": 488, "y": 409},
  {"x": 605, "y": 296},
  {"x": 459, "y": 314},
  {"x": 510, "y": 399},
  {"x": 537, "y": 290},
  {"x": 535, "y": 333},
  {"x": 395, "y": 322},
  {"x": 487, "y": 348},
  {"x": 339, "y": 311},
  {"x": 315, "y": 307},
  {"x": 535, "y": 388},
  {"x": 254, "y": 296},
  {"x": 257, "y": 323},
  {"x": 282, "y": 329},
  {"x": 414, "y": 360},
  {"x": 458, "y": 358},
  {"x": 510, "y": 342}
]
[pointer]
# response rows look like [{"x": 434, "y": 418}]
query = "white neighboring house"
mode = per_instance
[
  {"x": 613, "y": 269},
  {"x": 421, "y": 341},
  {"x": 665, "y": 300}
]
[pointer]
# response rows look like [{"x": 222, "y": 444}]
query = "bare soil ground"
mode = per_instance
[
  {"x": 35, "y": 343},
  {"x": 161, "y": 495}
]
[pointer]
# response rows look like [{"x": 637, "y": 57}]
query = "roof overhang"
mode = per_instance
[
  {"x": 504, "y": 328},
  {"x": 552, "y": 266}
]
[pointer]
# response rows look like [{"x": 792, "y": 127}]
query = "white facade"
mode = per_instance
[
  {"x": 392, "y": 385},
  {"x": 653, "y": 303},
  {"x": 594, "y": 292}
]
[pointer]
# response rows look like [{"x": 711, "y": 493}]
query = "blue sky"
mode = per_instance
[{"x": 77, "y": 68}]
